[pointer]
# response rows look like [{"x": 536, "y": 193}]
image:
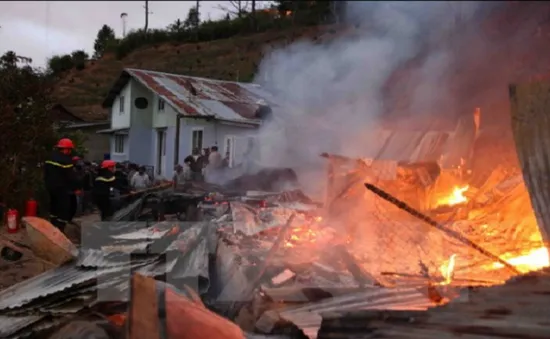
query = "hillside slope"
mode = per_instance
[{"x": 231, "y": 59}]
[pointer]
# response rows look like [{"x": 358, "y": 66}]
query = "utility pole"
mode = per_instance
[
  {"x": 146, "y": 16},
  {"x": 198, "y": 15}
]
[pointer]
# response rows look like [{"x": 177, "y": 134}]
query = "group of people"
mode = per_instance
[
  {"x": 199, "y": 165},
  {"x": 74, "y": 184}
]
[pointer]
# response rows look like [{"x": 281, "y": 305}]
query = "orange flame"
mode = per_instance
[
  {"x": 533, "y": 260},
  {"x": 447, "y": 270},
  {"x": 456, "y": 197}
]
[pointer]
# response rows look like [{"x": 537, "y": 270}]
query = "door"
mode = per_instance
[{"x": 161, "y": 152}]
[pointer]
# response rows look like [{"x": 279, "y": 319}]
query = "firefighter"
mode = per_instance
[
  {"x": 103, "y": 185},
  {"x": 60, "y": 180}
]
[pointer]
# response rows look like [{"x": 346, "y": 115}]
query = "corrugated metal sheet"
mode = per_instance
[
  {"x": 46, "y": 284},
  {"x": 192, "y": 96},
  {"x": 32, "y": 331},
  {"x": 308, "y": 318},
  {"x": 10, "y": 325},
  {"x": 401, "y": 145},
  {"x": 98, "y": 258}
]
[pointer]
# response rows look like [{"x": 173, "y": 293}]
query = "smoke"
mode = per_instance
[{"x": 333, "y": 94}]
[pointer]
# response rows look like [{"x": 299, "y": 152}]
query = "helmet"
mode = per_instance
[
  {"x": 108, "y": 164},
  {"x": 76, "y": 158},
  {"x": 65, "y": 143}
]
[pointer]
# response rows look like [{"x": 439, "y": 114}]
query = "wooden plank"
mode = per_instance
[
  {"x": 530, "y": 109},
  {"x": 143, "y": 320}
]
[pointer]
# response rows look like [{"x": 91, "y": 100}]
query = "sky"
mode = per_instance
[{"x": 41, "y": 29}]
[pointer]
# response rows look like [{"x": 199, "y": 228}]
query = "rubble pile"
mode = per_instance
[{"x": 279, "y": 265}]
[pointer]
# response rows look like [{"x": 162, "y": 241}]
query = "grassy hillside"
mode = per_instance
[{"x": 231, "y": 59}]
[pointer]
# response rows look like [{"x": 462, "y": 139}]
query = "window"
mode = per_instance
[
  {"x": 121, "y": 104},
  {"x": 161, "y": 105},
  {"x": 197, "y": 139},
  {"x": 119, "y": 144}
]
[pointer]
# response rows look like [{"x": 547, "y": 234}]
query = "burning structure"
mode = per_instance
[{"x": 432, "y": 224}]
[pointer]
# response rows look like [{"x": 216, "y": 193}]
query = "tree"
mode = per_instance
[
  {"x": 176, "y": 26},
  {"x": 193, "y": 18},
  {"x": 26, "y": 132},
  {"x": 60, "y": 63},
  {"x": 105, "y": 36},
  {"x": 236, "y": 7},
  {"x": 79, "y": 59}
]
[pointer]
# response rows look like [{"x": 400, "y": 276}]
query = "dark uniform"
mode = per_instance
[
  {"x": 60, "y": 182},
  {"x": 101, "y": 192}
]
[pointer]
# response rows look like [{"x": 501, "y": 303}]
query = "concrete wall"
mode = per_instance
[{"x": 97, "y": 144}]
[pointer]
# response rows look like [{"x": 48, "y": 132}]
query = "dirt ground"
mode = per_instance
[{"x": 28, "y": 267}]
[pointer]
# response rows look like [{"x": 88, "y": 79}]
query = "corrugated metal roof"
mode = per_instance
[{"x": 193, "y": 96}]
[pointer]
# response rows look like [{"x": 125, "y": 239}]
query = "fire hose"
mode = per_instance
[{"x": 453, "y": 234}]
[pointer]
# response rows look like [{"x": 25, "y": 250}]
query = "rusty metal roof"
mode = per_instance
[{"x": 199, "y": 97}]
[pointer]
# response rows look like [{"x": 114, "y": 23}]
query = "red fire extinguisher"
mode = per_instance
[
  {"x": 30, "y": 208},
  {"x": 11, "y": 220}
]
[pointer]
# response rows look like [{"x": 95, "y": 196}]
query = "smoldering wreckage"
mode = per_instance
[{"x": 408, "y": 248}]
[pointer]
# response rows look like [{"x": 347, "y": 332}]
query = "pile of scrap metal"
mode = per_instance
[{"x": 94, "y": 279}]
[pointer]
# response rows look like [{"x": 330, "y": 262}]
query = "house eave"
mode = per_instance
[
  {"x": 79, "y": 125},
  {"x": 117, "y": 87},
  {"x": 243, "y": 123},
  {"x": 115, "y": 131}
]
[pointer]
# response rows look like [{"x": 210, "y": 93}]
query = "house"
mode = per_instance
[
  {"x": 89, "y": 123},
  {"x": 157, "y": 119}
]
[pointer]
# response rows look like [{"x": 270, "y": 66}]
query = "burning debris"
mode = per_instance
[{"x": 273, "y": 263}]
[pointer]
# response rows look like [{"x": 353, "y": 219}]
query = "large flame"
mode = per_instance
[
  {"x": 533, "y": 260},
  {"x": 456, "y": 197}
]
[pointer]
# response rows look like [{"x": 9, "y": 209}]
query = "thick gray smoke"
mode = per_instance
[{"x": 333, "y": 93}]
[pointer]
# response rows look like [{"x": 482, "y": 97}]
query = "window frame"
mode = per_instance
[
  {"x": 161, "y": 104},
  {"x": 119, "y": 138},
  {"x": 193, "y": 130},
  {"x": 121, "y": 107}
]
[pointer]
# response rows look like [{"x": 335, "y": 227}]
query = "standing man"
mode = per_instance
[
  {"x": 195, "y": 162},
  {"x": 101, "y": 192},
  {"x": 59, "y": 178},
  {"x": 140, "y": 180}
]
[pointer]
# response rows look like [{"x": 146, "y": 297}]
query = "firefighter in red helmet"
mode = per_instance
[
  {"x": 103, "y": 185},
  {"x": 60, "y": 180}
]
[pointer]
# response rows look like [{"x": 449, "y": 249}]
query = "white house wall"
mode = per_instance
[
  {"x": 141, "y": 134},
  {"x": 164, "y": 118},
  {"x": 122, "y": 119}
]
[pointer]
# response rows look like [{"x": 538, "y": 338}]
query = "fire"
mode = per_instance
[
  {"x": 303, "y": 234},
  {"x": 447, "y": 270},
  {"x": 456, "y": 197},
  {"x": 533, "y": 260}
]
